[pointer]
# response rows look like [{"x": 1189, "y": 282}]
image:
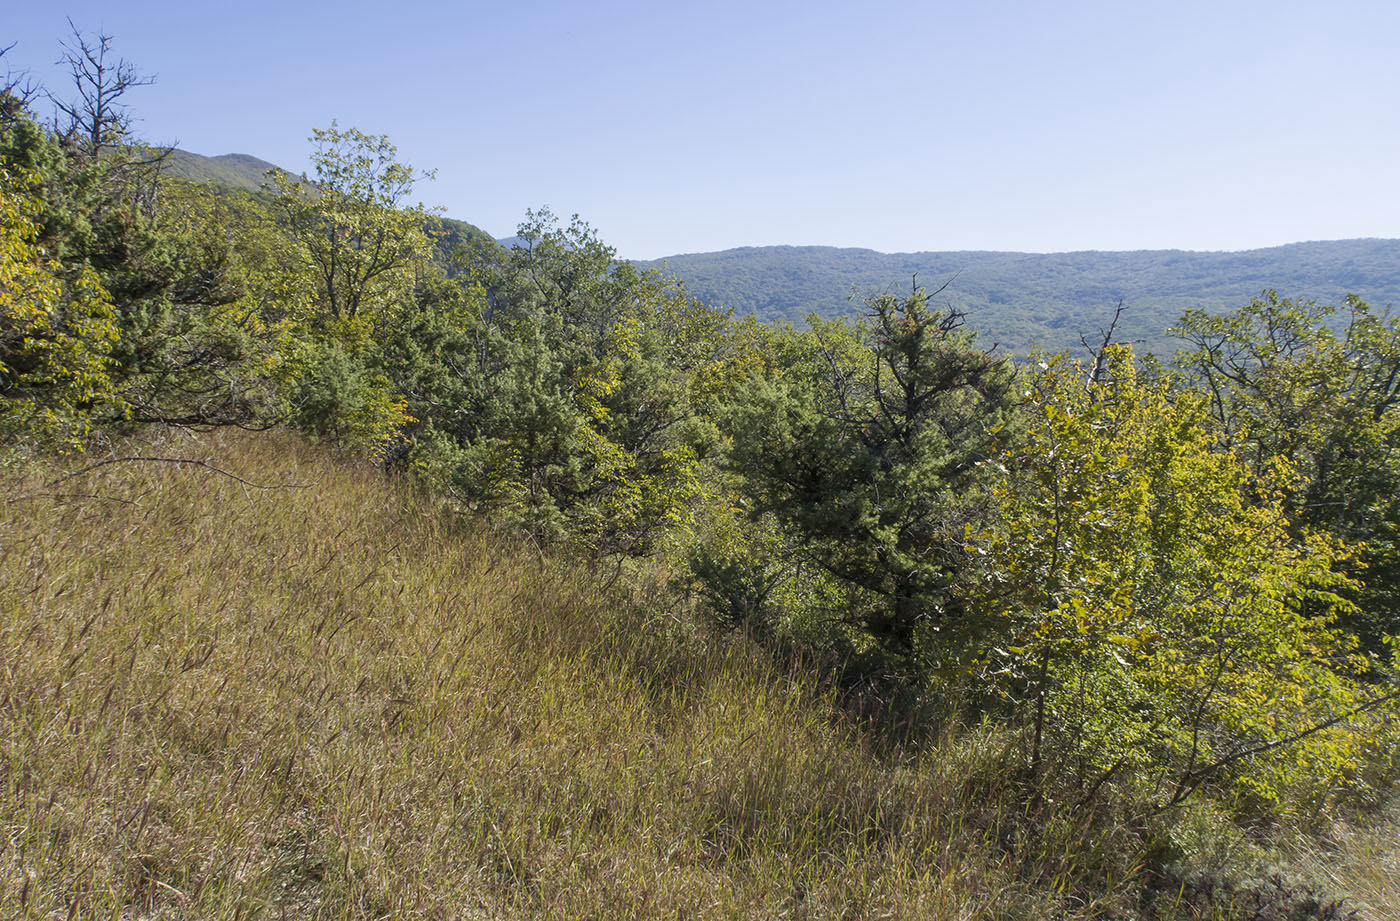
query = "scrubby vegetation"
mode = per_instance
[{"x": 618, "y": 606}]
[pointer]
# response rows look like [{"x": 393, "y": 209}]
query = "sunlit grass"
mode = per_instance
[
  {"x": 1362, "y": 860},
  {"x": 219, "y": 701}
]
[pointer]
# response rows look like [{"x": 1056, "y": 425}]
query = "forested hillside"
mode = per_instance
[
  {"x": 1018, "y": 300},
  {"x": 240, "y": 171},
  {"x": 250, "y": 174},
  {"x": 1025, "y": 299},
  {"x": 356, "y": 567}
]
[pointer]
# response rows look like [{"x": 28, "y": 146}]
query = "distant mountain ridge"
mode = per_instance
[
  {"x": 1018, "y": 300},
  {"x": 241, "y": 171},
  {"x": 1047, "y": 299},
  {"x": 249, "y": 173}
]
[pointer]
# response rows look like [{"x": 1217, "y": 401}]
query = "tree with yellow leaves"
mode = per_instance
[
  {"x": 57, "y": 329},
  {"x": 1161, "y": 618}
]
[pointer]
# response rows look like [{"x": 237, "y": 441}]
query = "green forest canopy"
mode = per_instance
[{"x": 1047, "y": 299}]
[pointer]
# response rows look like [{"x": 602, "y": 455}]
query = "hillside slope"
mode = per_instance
[
  {"x": 248, "y": 173},
  {"x": 240, "y": 171},
  {"x": 261, "y": 683},
  {"x": 1021, "y": 299},
  {"x": 318, "y": 700}
]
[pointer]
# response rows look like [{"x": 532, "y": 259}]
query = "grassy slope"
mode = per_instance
[{"x": 225, "y": 702}]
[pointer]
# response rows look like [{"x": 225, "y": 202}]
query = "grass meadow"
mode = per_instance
[{"x": 327, "y": 699}]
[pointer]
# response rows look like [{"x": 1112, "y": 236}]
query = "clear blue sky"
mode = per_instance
[{"x": 899, "y": 126}]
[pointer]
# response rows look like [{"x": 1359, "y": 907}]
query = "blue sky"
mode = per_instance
[{"x": 898, "y": 126}]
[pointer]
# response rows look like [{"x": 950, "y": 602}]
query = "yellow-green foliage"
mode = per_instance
[
  {"x": 331, "y": 394},
  {"x": 56, "y": 331},
  {"x": 1168, "y": 620},
  {"x": 220, "y": 702},
  {"x": 359, "y": 241}
]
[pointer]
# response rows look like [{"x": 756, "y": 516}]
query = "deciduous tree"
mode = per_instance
[
  {"x": 1317, "y": 388},
  {"x": 359, "y": 235},
  {"x": 57, "y": 329},
  {"x": 1161, "y": 618}
]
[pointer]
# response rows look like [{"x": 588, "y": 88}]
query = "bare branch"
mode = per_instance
[
  {"x": 96, "y": 118},
  {"x": 17, "y": 88},
  {"x": 1098, "y": 353},
  {"x": 1193, "y": 779}
]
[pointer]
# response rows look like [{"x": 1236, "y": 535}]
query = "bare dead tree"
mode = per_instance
[
  {"x": 95, "y": 124},
  {"x": 1100, "y": 352},
  {"x": 96, "y": 118},
  {"x": 17, "y": 89}
]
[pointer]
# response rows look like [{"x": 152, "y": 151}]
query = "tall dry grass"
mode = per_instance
[
  {"x": 329, "y": 702},
  {"x": 1360, "y": 857}
]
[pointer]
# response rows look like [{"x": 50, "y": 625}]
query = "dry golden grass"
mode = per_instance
[
  {"x": 1362, "y": 860},
  {"x": 223, "y": 702}
]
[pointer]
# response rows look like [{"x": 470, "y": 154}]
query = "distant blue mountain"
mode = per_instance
[{"x": 1047, "y": 299}]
